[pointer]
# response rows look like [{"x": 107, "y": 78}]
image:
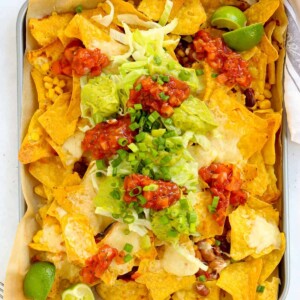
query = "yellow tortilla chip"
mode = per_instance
[
  {"x": 261, "y": 11},
  {"x": 45, "y": 30},
  {"x": 55, "y": 121},
  {"x": 267, "y": 47},
  {"x": 40, "y": 88},
  {"x": 123, "y": 290},
  {"x": 270, "y": 290},
  {"x": 208, "y": 227},
  {"x": 34, "y": 145},
  {"x": 190, "y": 16},
  {"x": 79, "y": 238},
  {"x": 39, "y": 190},
  {"x": 281, "y": 25},
  {"x": 159, "y": 283},
  {"x": 49, "y": 171},
  {"x": 253, "y": 232},
  {"x": 240, "y": 279},
  {"x": 272, "y": 193},
  {"x": 74, "y": 111}
]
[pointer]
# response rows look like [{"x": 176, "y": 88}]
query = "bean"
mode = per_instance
[
  {"x": 201, "y": 289},
  {"x": 250, "y": 97},
  {"x": 218, "y": 264},
  {"x": 208, "y": 254}
]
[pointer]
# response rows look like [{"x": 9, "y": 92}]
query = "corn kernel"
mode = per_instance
[
  {"x": 51, "y": 93},
  {"x": 181, "y": 53},
  {"x": 268, "y": 86},
  {"x": 55, "y": 81},
  {"x": 58, "y": 90},
  {"x": 267, "y": 94},
  {"x": 47, "y": 79},
  {"x": 45, "y": 67},
  {"x": 48, "y": 85},
  {"x": 260, "y": 98},
  {"x": 265, "y": 104},
  {"x": 61, "y": 83}
]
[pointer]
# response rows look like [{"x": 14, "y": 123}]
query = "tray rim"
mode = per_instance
[{"x": 284, "y": 266}]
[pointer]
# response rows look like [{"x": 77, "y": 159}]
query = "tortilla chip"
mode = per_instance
[
  {"x": 267, "y": 47},
  {"x": 34, "y": 145},
  {"x": 49, "y": 171},
  {"x": 272, "y": 260},
  {"x": 160, "y": 283},
  {"x": 79, "y": 238},
  {"x": 45, "y": 30},
  {"x": 272, "y": 193},
  {"x": 39, "y": 190},
  {"x": 281, "y": 24},
  {"x": 208, "y": 226},
  {"x": 240, "y": 279},
  {"x": 74, "y": 111},
  {"x": 247, "y": 224},
  {"x": 190, "y": 16},
  {"x": 49, "y": 238},
  {"x": 261, "y": 11},
  {"x": 214, "y": 293},
  {"x": 55, "y": 121},
  {"x": 271, "y": 290},
  {"x": 40, "y": 89},
  {"x": 45, "y": 56},
  {"x": 123, "y": 290}
]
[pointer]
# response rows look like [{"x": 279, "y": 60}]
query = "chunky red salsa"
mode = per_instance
[
  {"x": 164, "y": 195},
  {"x": 231, "y": 68},
  {"x": 97, "y": 264},
  {"x": 80, "y": 60},
  {"x": 103, "y": 139},
  {"x": 161, "y": 97},
  {"x": 224, "y": 182}
]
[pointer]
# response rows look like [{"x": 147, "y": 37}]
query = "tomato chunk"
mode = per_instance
[
  {"x": 97, "y": 264},
  {"x": 165, "y": 194},
  {"x": 102, "y": 140},
  {"x": 159, "y": 97},
  {"x": 224, "y": 182}
]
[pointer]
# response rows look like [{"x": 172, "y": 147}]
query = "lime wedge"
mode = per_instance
[
  {"x": 39, "y": 280},
  {"x": 244, "y": 38},
  {"x": 229, "y": 17},
  {"x": 80, "y": 291}
]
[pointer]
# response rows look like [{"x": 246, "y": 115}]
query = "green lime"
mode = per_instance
[
  {"x": 80, "y": 291},
  {"x": 244, "y": 38},
  {"x": 39, "y": 280},
  {"x": 228, "y": 17}
]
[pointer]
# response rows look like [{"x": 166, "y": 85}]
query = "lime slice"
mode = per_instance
[
  {"x": 39, "y": 280},
  {"x": 244, "y": 38},
  {"x": 228, "y": 17},
  {"x": 80, "y": 291}
]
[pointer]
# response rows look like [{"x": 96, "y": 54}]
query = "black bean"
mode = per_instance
[{"x": 250, "y": 97}]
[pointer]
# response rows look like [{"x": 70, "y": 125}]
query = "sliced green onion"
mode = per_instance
[
  {"x": 217, "y": 243},
  {"x": 184, "y": 75},
  {"x": 184, "y": 203},
  {"x": 114, "y": 172},
  {"x": 122, "y": 142},
  {"x": 199, "y": 72},
  {"x": 168, "y": 121},
  {"x": 213, "y": 207},
  {"x": 122, "y": 153},
  {"x": 214, "y": 75},
  {"x": 100, "y": 164},
  {"x": 116, "y": 162},
  {"x": 134, "y": 126},
  {"x": 140, "y": 137},
  {"x": 99, "y": 174},
  {"x": 171, "y": 65},
  {"x": 260, "y": 289},
  {"x": 166, "y": 159},
  {"x": 160, "y": 81},
  {"x": 153, "y": 116},
  {"x": 126, "y": 231},
  {"x": 150, "y": 188},
  {"x": 138, "y": 87},
  {"x": 158, "y": 132},
  {"x": 157, "y": 60},
  {"x": 142, "y": 147},
  {"x": 127, "y": 258},
  {"x": 135, "y": 191},
  {"x": 164, "y": 220},
  {"x": 115, "y": 194},
  {"x": 174, "y": 213},
  {"x": 170, "y": 133},
  {"x": 154, "y": 153},
  {"x": 131, "y": 157},
  {"x": 128, "y": 247},
  {"x": 128, "y": 219},
  {"x": 154, "y": 77},
  {"x": 163, "y": 96},
  {"x": 147, "y": 161},
  {"x": 172, "y": 233},
  {"x": 131, "y": 110},
  {"x": 193, "y": 228},
  {"x": 115, "y": 216},
  {"x": 145, "y": 242},
  {"x": 79, "y": 9},
  {"x": 138, "y": 106},
  {"x": 133, "y": 147},
  {"x": 166, "y": 13},
  {"x": 142, "y": 200},
  {"x": 202, "y": 278},
  {"x": 192, "y": 217}
]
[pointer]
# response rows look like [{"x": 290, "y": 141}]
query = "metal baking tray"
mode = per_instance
[{"x": 284, "y": 267}]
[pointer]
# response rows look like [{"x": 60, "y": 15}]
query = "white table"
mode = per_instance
[{"x": 9, "y": 212}]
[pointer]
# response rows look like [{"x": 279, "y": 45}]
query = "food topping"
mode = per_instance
[{"x": 159, "y": 93}]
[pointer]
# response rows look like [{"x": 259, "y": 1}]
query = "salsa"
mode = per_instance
[
  {"x": 161, "y": 95},
  {"x": 163, "y": 195},
  {"x": 103, "y": 139},
  {"x": 80, "y": 60}
]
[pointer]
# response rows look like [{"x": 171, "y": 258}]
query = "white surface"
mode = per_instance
[{"x": 8, "y": 154}]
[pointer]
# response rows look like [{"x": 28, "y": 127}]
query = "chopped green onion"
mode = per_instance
[
  {"x": 164, "y": 220},
  {"x": 158, "y": 132},
  {"x": 199, "y": 72},
  {"x": 214, "y": 75},
  {"x": 142, "y": 200},
  {"x": 160, "y": 81},
  {"x": 157, "y": 60},
  {"x": 79, "y": 9},
  {"x": 192, "y": 217},
  {"x": 193, "y": 228},
  {"x": 115, "y": 216},
  {"x": 202, "y": 278},
  {"x": 122, "y": 142},
  {"x": 142, "y": 147},
  {"x": 217, "y": 243},
  {"x": 184, "y": 75},
  {"x": 114, "y": 172},
  {"x": 128, "y": 219},
  {"x": 166, "y": 159},
  {"x": 138, "y": 106},
  {"x": 184, "y": 203},
  {"x": 173, "y": 213},
  {"x": 127, "y": 258},
  {"x": 145, "y": 242},
  {"x": 100, "y": 164},
  {"x": 133, "y": 147},
  {"x": 154, "y": 152},
  {"x": 134, "y": 126},
  {"x": 128, "y": 247},
  {"x": 150, "y": 188},
  {"x": 164, "y": 78},
  {"x": 168, "y": 121},
  {"x": 213, "y": 207},
  {"x": 115, "y": 194},
  {"x": 170, "y": 133},
  {"x": 99, "y": 174},
  {"x": 163, "y": 96},
  {"x": 154, "y": 77},
  {"x": 126, "y": 231},
  {"x": 140, "y": 137},
  {"x": 116, "y": 162},
  {"x": 122, "y": 153},
  {"x": 138, "y": 87},
  {"x": 131, "y": 157},
  {"x": 135, "y": 191},
  {"x": 153, "y": 116},
  {"x": 171, "y": 65},
  {"x": 147, "y": 161},
  {"x": 131, "y": 110},
  {"x": 172, "y": 233},
  {"x": 260, "y": 289}
]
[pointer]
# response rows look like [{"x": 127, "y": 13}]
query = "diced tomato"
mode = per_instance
[
  {"x": 97, "y": 264},
  {"x": 102, "y": 140},
  {"x": 224, "y": 182},
  {"x": 164, "y": 196},
  {"x": 159, "y": 97},
  {"x": 231, "y": 67}
]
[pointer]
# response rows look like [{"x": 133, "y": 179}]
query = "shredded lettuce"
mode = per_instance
[
  {"x": 166, "y": 13},
  {"x": 106, "y": 20}
]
